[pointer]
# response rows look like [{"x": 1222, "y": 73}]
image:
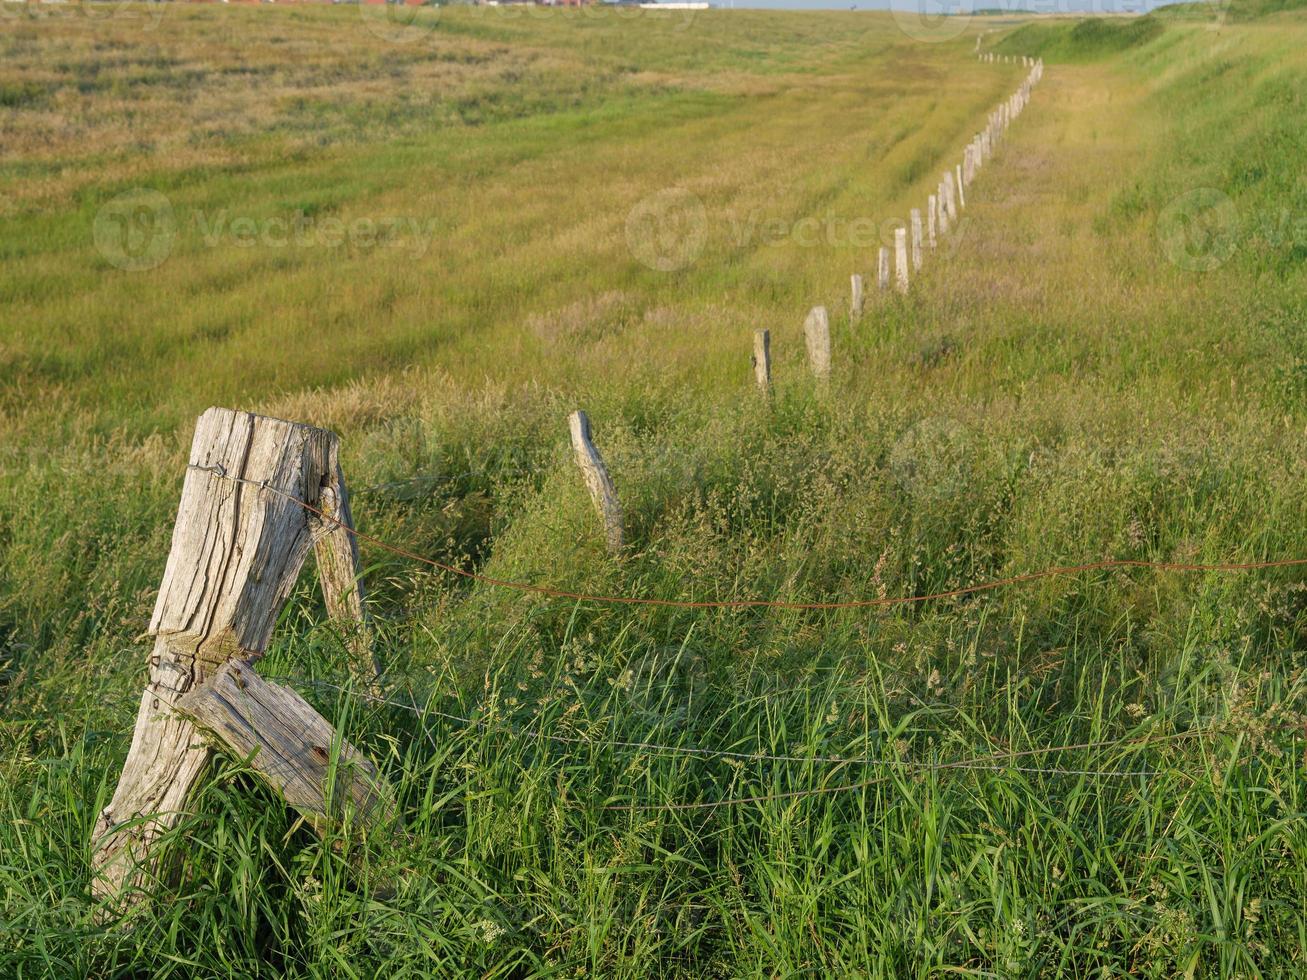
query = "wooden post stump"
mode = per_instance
[
  {"x": 856, "y": 300},
  {"x": 597, "y": 480},
  {"x": 239, "y": 543},
  {"x": 916, "y": 239},
  {"x": 931, "y": 204},
  {"x": 762, "y": 360},
  {"x": 901, "y": 259},
  {"x": 882, "y": 268},
  {"x": 816, "y": 332}
]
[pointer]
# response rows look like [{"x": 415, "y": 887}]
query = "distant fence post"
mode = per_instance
[
  {"x": 856, "y": 299},
  {"x": 931, "y": 204},
  {"x": 942, "y": 197},
  {"x": 762, "y": 360},
  {"x": 901, "y": 259},
  {"x": 241, "y": 538},
  {"x": 962, "y": 198},
  {"x": 882, "y": 268},
  {"x": 597, "y": 480},
  {"x": 916, "y": 239},
  {"x": 816, "y": 332}
]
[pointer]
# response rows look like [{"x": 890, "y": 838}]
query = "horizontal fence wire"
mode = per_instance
[
  {"x": 557, "y": 593},
  {"x": 994, "y": 762}
]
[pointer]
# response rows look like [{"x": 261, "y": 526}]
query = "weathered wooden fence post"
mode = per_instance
[
  {"x": 901, "y": 259},
  {"x": 932, "y": 203},
  {"x": 942, "y": 197},
  {"x": 916, "y": 239},
  {"x": 816, "y": 332},
  {"x": 336, "y": 552},
  {"x": 241, "y": 538},
  {"x": 962, "y": 198},
  {"x": 882, "y": 269},
  {"x": 762, "y": 360},
  {"x": 856, "y": 300},
  {"x": 597, "y": 480}
]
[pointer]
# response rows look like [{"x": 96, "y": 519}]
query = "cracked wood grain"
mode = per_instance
[{"x": 236, "y": 552}]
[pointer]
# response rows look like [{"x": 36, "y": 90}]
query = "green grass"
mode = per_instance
[
  {"x": 1086, "y": 40},
  {"x": 1064, "y": 383}
]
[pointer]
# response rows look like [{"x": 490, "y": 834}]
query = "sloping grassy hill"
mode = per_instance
[{"x": 1107, "y": 361}]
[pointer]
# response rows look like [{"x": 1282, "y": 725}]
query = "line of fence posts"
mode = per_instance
[
  {"x": 944, "y": 207},
  {"x": 943, "y": 212},
  {"x": 259, "y": 495}
]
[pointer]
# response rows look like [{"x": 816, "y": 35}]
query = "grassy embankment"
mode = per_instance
[{"x": 1062, "y": 385}]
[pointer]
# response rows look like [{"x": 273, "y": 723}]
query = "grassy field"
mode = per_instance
[{"x": 429, "y": 236}]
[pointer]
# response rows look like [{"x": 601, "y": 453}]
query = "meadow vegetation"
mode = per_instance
[{"x": 1106, "y": 360}]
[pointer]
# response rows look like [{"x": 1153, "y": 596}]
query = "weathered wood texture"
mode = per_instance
[
  {"x": 762, "y": 359},
  {"x": 882, "y": 268},
  {"x": 916, "y": 239},
  {"x": 291, "y": 747},
  {"x": 962, "y": 197},
  {"x": 236, "y": 552},
  {"x": 901, "y": 259},
  {"x": 336, "y": 551},
  {"x": 932, "y": 203},
  {"x": 857, "y": 297},
  {"x": 597, "y": 480},
  {"x": 816, "y": 333}
]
